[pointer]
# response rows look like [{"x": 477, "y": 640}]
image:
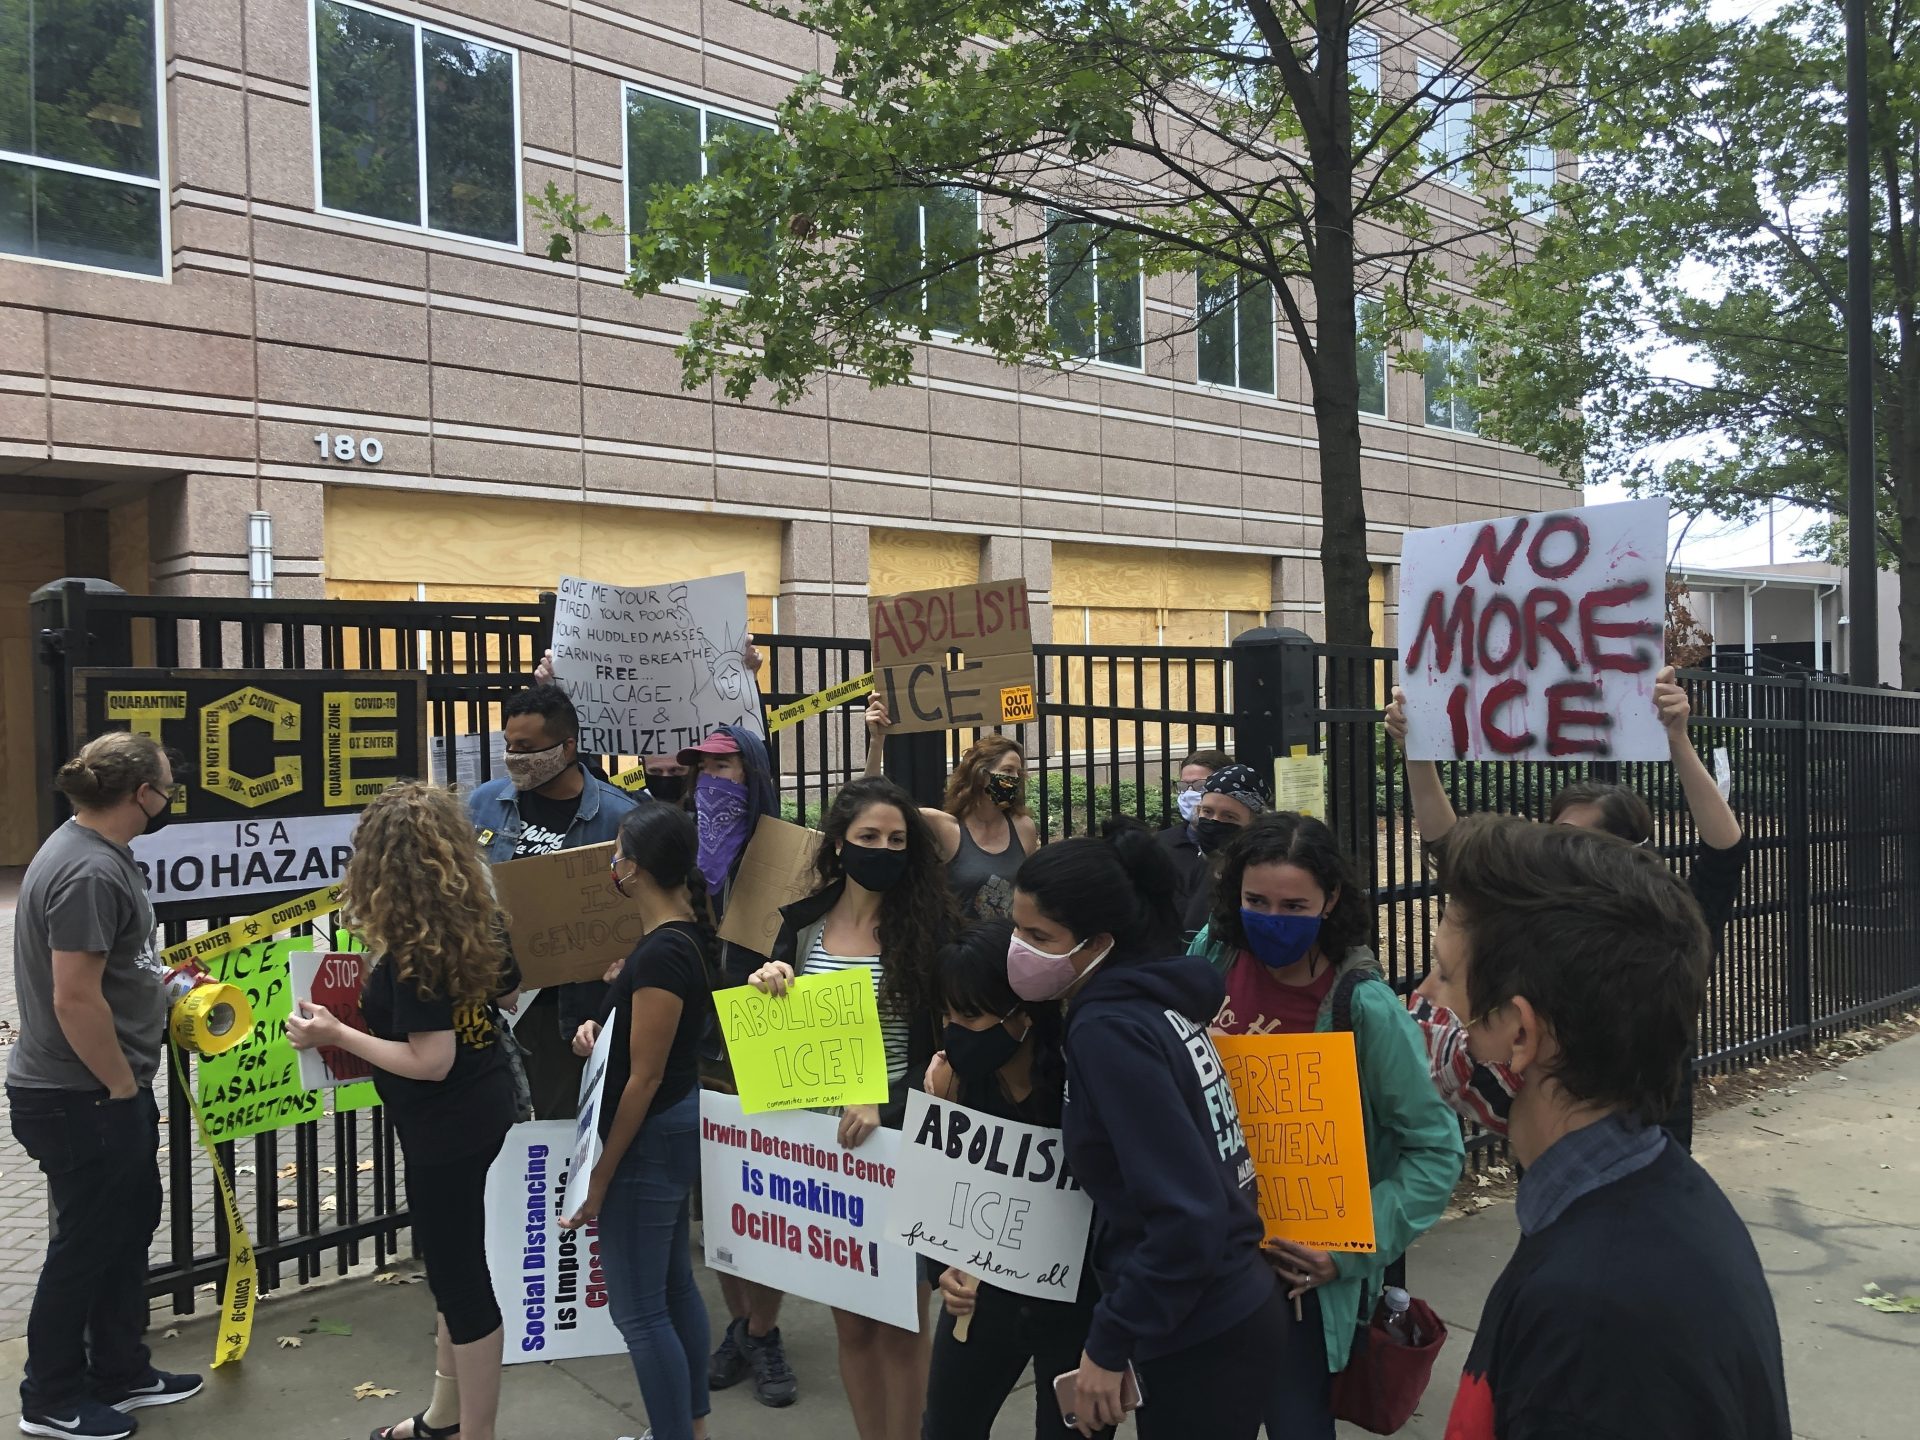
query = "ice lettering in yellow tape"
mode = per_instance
[
  {"x": 341, "y": 743},
  {"x": 144, "y": 710},
  {"x": 217, "y": 772}
]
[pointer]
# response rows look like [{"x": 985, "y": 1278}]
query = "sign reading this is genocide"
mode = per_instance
[
  {"x": 816, "y": 1046},
  {"x": 1536, "y": 637},
  {"x": 567, "y": 921},
  {"x": 279, "y": 763},
  {"x": 1299, "y": 1101},
  {"x": 782, "y": 1203},
  {"x": 987, "y": 623},
  {"x": 547, "y": 1281},
  {"x": 656, "y": 668},
  {"x": 992, "y": 1197}
]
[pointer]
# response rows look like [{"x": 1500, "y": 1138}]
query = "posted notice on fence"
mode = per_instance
[
  {"x": 783, "y": 1204},
  {"x": 990, "y": 626},
  {"x": 1536, "y": 637},
  {"x": 547, "y": 1281},
  {"x": 993, "y": 1198},
  {"x": 1299, "y": 1102},
  {"x": 653, "y": 669},
  {"x": 816, "y": 1046}
]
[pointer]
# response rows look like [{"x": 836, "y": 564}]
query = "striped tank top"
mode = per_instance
[{"x": 893, "y": 1029}]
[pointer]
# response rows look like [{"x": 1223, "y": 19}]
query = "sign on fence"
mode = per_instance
[
  {"x": 1299, "y": 1102},
  {"x": 279, "y": 764},
  {"x": 331, "y": 980},
  {"x": 815, "y": 1046},
  {"x": 912, "y": 634},
  {"x": 547, "y": 1281},
  {"x": 992, "y": 1197},
  {"x": 1536, "y": 637},
  {"x": 567, "y": 922},
  {"x": 784, "y": 1205},
  {"x": 656, "y": 668}
]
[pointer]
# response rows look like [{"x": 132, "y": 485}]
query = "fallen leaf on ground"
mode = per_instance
[
  {"x": 1878, "y": 1299},
  {"x": 327, "y": 1327},
  {"x": 329, "y": 1204},
  {"x": 367, "y": 1390},
  {"x": 328, "y": 1170},
  {"x": 394, "y": 1277},
  {"x": 172, "y": 1334},
  {"x": 243, "y": 1169},
  {"x": 287, "y": 1342},
  {"x": 364, "y": 1166},
  {"x": 287, "y": 1202},
  {"x": 289, "y": 1170}
]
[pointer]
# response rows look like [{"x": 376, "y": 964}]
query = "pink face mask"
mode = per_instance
[{"x": 1038, "y": 975}]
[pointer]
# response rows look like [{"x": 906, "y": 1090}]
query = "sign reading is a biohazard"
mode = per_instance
[{"x": 275, "y": 766}]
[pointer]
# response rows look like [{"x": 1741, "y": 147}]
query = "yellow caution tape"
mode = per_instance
[
  {"x": 212, "y": 1019},
  {"x": 632, "y": 781},
  {"x": 819, "y": 701},
  {"x": 235, "y": 1331},
  {"x": 236, "y": 933}
]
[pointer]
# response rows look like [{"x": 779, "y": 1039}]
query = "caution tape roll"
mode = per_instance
[
  {"x": 211, "y": 1019},
  {"x": 780, "y": 717}
]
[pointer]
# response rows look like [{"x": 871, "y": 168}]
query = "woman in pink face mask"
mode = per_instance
[{"x": 1189, "y": 1314}]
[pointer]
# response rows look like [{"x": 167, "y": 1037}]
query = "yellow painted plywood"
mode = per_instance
[
  {"x": 1128, "y": 577},
  {"x": 902, "y": 560}
]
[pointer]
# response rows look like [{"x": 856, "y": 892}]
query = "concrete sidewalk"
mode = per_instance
[{"x": 1827, "y": 1178}]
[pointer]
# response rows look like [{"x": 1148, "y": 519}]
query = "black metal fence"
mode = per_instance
[{"x": 1826, "y": 779}]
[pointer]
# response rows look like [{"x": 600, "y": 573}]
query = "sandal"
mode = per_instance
[{"x": 421, "y": 1430}]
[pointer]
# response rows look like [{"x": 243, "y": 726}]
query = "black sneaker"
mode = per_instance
[
  {"x": 82, "y": 1420},
  {"x": 774, "y": 1383},
  {"x": 728, "y": 1365},
  {"x": 159, "y": 1388}
]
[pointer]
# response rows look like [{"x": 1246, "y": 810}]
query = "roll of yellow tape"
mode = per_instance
[{"x": 212, "y": 1019}]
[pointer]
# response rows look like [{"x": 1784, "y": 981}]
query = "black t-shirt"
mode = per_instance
[
  {"x": 1714, "y": 879},
  {"x": 473, "y": 1106},
  {"x": 672, "y": 959},
  {"x": 1676, "y": 1342},
  {"x": 544, "y": 823}
]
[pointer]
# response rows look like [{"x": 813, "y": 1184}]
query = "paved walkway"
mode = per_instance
[{"x": 1825, "y": 1177}]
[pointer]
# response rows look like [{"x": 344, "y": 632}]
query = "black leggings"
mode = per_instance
[
  {"x": 971, "y": 1381},
  {"x": 448, "y": 1201},
  {"x": 1218, "y": 1388}
]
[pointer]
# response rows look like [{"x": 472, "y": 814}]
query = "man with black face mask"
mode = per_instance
[{"x": 1229, "y": 799}]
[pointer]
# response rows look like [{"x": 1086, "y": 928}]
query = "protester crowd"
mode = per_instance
[{"x": 1076, "y": 984}]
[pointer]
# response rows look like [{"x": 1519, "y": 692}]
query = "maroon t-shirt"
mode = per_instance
[{"x": 1258, "y": 1004}]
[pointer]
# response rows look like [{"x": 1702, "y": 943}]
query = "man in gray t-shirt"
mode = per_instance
[{"x": 93, "y": 1015}]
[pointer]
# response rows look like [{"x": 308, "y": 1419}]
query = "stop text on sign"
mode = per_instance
[{"x": 1537, "y": 636}]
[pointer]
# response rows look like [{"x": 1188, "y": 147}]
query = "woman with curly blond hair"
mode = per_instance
[{"x": 418, "y": 893}]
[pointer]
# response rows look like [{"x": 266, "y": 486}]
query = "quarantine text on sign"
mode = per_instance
[
  {"x": 912, "y": 633},
  {"x": 1537, "y": 637},
  {"x": 279, "y": 763}
]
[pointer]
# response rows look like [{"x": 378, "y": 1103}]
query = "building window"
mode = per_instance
[
  {"x": 667, "y": 144},
  {"x": 1363, "y": 60},
  {"x": 1094, "y": 298},
  {"x": 929, "y": 270},
  {"x": 1452, "y": 372},
  {"x": 415, "y": 126},
  {"x": 1449, "y": 100},
  {"x": 80, "y": 141},
  {"x": 1370, "y": 351},
  {"x": 1534, "y": 179},
  {"x": 1236, "y": 333}
]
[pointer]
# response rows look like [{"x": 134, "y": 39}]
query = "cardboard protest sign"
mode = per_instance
[
  {"x": 588, "y": 1147},
  {"x": 993, "y": 1197},
  {"x": 988, "y": 623},
  {"x": 783, "y": 1204},
  {"x": 547, "y": 1281},
  {"x": 1536, "y": 637},
  {"x": 818, "y": 1045},
  {"x": 1299, "y": 1102},
  {"x": 776, "y": 870},
  {"x": 656, "y": 668},
  {"x": 331, "y": 980},
  {"x": 567, "y": 922}
]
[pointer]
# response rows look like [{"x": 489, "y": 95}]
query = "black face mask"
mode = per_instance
[
  {"x": 157, "y": 823},
  {"x": 872, "y": 868},
  {"x": 1003, "y": 790},
  {"x": 976, "y": 1054},
  {"x": 1210, "y": 835},
  {"x": 670, "y": 788}
]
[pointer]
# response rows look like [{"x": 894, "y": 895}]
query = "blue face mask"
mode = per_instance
[{"x": 1278, "y": 941}]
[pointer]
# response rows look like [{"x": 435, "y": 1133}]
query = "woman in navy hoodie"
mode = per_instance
[{"x": 1153, "y": 1134}]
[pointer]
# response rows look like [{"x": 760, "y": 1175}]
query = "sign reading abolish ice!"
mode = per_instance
[
  {"x": 815, "y": 1046},
  {"x": 656, "y": 668},
  {"x": 547, "y": 1281},
  {"x": 1536, "y": 637},
  {"x": 988, "y": 623},
  {"x": 782, "y": 1203}
]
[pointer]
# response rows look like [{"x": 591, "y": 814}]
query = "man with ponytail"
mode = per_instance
[{"x": 93, "y": 1017}]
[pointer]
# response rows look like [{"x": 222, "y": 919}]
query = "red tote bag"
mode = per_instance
[{"x": 1384, "y": 1380}]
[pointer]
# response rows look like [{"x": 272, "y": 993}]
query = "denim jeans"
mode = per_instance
[
  {"x": 89, "y": 1313},
  {"x": 645, "y": 1248}
]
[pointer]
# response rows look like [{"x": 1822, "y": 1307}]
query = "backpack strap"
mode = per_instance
[{"x": 1342, "y": 997}]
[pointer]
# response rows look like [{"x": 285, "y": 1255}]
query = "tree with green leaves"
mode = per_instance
[
  {"x": 1685, "y": 329},
  {"x": 1001, "y": 170}
]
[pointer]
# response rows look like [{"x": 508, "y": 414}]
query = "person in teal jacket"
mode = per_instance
[{"x": 1289, "y": 922}]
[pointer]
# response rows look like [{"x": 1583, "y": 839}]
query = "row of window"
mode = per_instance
[{"x": 417, "y": 126}]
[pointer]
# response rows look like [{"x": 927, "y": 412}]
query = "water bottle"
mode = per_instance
[{"x": 1399, "y": 1324}]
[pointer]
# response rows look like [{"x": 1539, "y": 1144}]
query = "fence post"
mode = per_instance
[
  {"x": 1799, "y": 838},
  {"x": 918, "y": 765},
  {"x": 1275, "y": 696}
]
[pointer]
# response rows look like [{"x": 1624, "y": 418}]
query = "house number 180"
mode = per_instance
[{"x": 345, "y": 448}]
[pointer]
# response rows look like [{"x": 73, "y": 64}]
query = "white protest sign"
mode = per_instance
[
  {"x": 547, "y": 1281},
  {"x": 993, "y": 1197},
  {"x": 587, "y": 1144},
  {"x": 1536, "y": 637},
  {"x": 654, "y": 669},
  {"x": 783, "y": 1204},
  {"x": 522, "y": 1003},
  {"x": 230, "y": 859}
]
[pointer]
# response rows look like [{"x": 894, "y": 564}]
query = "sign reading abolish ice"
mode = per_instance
[
  {"x": 657, "y": 668},
  {"x": 783, "y": 1204},
  {"x": 1536, "y": 637},
  {"x": 547, "y": 1281},
  {"x": 989, "y": 623},
  {"x": 993, "y": 1197},
  {"x": 1299, "y": 1102},
  {"x": 815, "y": 1046}
]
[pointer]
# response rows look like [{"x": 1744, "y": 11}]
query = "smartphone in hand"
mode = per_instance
[{"x": 1066, "y": 1391}]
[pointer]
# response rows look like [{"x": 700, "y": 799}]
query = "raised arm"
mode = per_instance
[
  {"x": 1713, "y": 817},
  {"x": 1432, "y": 810},
  {"x": 878, "y": 723}
]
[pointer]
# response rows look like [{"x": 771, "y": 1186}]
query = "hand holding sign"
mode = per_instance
[{"x": 805, "y": 1043}]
